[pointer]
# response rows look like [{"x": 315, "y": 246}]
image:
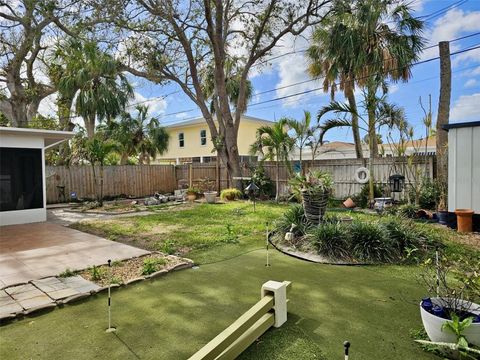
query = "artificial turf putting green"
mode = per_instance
[{"x": 172, "y": 317}]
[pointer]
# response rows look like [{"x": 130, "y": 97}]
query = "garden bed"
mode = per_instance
[{"x": 125, "y": 272}]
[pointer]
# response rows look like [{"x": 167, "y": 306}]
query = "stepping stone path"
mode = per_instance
[{"x": 43, "y": 293}]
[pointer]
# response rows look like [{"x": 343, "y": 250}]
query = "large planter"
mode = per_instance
[
  {"x": 433, "y": 325},
  {"x": 464, "y": 220},
  {"x": 191, "y": 197},
  {"x": 314, "y": 205},
  {"x": 442, "y": 217},
  {"x": 210, "y": 196}
]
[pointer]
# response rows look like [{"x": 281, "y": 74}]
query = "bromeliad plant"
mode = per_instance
[{"x": 314, "y": 189}]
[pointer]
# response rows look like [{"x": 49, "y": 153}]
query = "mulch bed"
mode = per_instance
[{"x": 124, "y": 271}]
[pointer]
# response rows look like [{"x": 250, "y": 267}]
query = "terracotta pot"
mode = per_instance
[
  {"x": 464, "y": 219},
  {"x": 349, "y": 204},
  {"x": 191, "y": 197}
]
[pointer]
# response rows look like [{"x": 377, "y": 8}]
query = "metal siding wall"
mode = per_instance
[{"x": 475, "y": 191}]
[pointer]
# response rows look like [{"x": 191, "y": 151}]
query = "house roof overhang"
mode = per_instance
[
  {"x": 460, "y": 125},
  {"x": 50, "y": 137}
]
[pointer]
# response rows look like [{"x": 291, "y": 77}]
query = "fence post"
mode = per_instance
[
  {"x": 190, "y": 175},
  {"x": 218, "y": 176},
  {"x": 279, "y": 291}
]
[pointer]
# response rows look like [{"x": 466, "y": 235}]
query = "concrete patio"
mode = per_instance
[{"x": 35, "y": 251}]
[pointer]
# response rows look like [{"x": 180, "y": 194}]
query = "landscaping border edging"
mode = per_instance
[
  {"x": 311, "y": 257},
  {"x": 5, "y": 318}
]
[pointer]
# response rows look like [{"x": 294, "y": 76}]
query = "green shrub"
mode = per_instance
[
  {"x": 230, "y": 194},
  {"x": 264, "y": 183},
  {"x": 361, "y": 199},
  {"x": 428, "y": 196},
  {"x": 96, "y": 272},
  {"x": 370, "y": 242},
  {"x": 408, "y": 211},
  {"x": 331, "y": 240},
  {"x": 151, "y": 265},
  {"x": 296, "y": 216}
]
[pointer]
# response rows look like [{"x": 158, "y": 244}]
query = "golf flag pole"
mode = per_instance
[
  {"x": 110, "y": 328},
  {"x": 437, "y": 271},
  {"x": 346, "y": 346},
  {"x": 266, "y": 238}
]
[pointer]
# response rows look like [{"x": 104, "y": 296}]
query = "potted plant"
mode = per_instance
[
  {"x": 192, "y": 193},
  {"x": 230, "y": 194},
  {"x": 207, "y": 186},
  {"x": 456, "y": 286},
  {"x": 313, "y": 189}
]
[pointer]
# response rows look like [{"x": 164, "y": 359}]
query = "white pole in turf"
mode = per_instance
[
  {"x": 110, "y": 328},
  {"x": 346, "y": 345},
  {"x": 437, "y": 271},
  {"x": 268, "y": 260}
]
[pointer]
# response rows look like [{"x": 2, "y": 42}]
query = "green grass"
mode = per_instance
[
  {"x": 374, "y": 307},
  {"x": 172, "y": 317},
  {"x": 193, "y": 230}
]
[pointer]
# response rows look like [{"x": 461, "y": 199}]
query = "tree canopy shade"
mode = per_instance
[
  {"x": 138, "y": 135},
  {"x": 93, "y": 78},
  {"x": 27, "y": 29},
  {"x": 176, "y": 41}
]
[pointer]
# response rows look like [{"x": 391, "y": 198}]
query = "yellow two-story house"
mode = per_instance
[{"x": 190, "y": 141}]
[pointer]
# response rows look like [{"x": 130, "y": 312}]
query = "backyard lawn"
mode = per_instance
[{"x": 374, "y": 307}]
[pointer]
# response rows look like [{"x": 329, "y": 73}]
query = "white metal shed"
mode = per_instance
[
  {"x": 22, "y": 173},
  {"x": 464, "y": 166}
]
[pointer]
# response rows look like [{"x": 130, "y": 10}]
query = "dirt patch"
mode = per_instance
[
  {"x": 162, "y": 229},
  {"x": 472, "y": 239},
  {"x": 124, "y": 271}
]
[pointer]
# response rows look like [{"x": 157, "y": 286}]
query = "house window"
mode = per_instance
[
  {"x": 21, "y": 181},
  {"x": 203, "y": 137},
  {"x": 181, "y": 140}
]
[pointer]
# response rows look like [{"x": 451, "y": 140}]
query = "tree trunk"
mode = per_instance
[
  {"x": 100, "y": 199},
  {"x": 372, "y": 137},
  {"x": 124, "y": 158},
  {"x": 90, "y": 127},
  {"x": 355, "y": 129},
  {"x": 64, "y": 112},
  {"x": 277, "y": 180},
  {"x": 443, "y": 114}
]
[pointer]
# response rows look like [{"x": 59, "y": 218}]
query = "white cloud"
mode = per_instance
[
  {"x": 48, "y": 106},
  {"x": 453, "y": 24},
  {"x": 418, "y": 5},
  {"x": 182, "y": 115},
  {"x": 471, "y": 83},
  {"x": 156, "y": 106},
  {"x": 465, "y": 108}
]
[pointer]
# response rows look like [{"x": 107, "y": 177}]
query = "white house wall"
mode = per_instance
[
  {"x": 464, "y": 168},
  {"x": 28, "y": 215}
]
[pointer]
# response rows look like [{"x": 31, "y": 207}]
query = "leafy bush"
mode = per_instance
[
  {"x": 230, "y": 194},
  {"x": 151, "y": 265},
  {"x": 331, "y": 240},
  {"x": 407, "y": 236},
  {"x": 370, "y": 242},
  {"x": 231, "y": 236},
  {"x": 313, "y": 182},
  {"x": 193, "y": 191},
  {"x": 429, "y": 194},
  {"x": 408, "y": 211},
  {"x": 96, "y": 272},
  {"x": 264, "y": 183},
  {"x": 294, "y": 215},
  {"x": 361, "y": 199}
]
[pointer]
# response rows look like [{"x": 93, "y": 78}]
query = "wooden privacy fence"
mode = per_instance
[
  {"x": 129, "y": 180},
  {"x": 270, "y": 311},
  {"x": 145, "y": 180}
]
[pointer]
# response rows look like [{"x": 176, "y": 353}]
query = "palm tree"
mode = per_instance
[
  {"x": 139, "y": 135},
  {"x": 274, "y": 143},
  {"x": 303, "y": 131},
  {"x": 331, "y": 60},
  {"x": 96, "y": 150},
  {"x": 380, "y": 40},
  {"x": 94, "y": 79}
]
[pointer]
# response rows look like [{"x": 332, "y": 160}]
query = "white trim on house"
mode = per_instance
[
  {"x": 30, "y": 139},
  {"x": 201, "y": 120}
]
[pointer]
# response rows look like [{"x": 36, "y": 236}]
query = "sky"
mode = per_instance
[{"x": 463, "y": 18}]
